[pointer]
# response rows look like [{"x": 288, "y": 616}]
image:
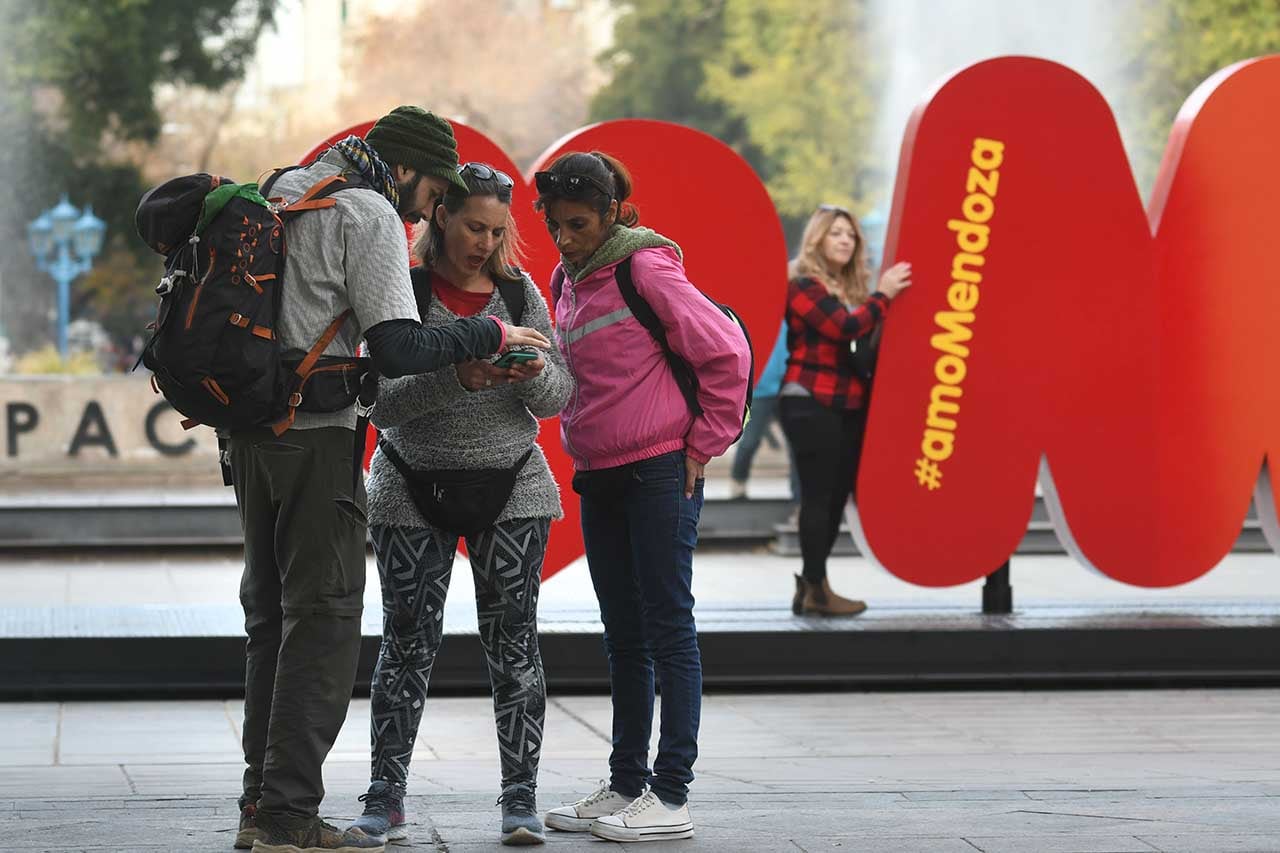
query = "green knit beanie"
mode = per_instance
[{"x": 412, "y": 137}]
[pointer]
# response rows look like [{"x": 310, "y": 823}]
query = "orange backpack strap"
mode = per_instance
[
  {"x": 316, "y": 198},
  {"x": 322, "y": 344},
  {"x": 304, "y": 369}
]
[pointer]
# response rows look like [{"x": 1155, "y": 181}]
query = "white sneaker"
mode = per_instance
[
  {"x": 578, "y": 817},
  {"x": 646, "y": 819}
]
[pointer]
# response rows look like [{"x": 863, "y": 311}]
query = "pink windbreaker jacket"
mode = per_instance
[{"x": 627, "y": 406}]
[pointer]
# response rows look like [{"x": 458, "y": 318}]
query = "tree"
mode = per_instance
[
  {"x": 1176, "y": 45},
  {"x": 77, "y": 83},
  {"x": 797, "y": 75},
  {"x": 656, "y": 71},
  {"x": 520, "y": 75}
]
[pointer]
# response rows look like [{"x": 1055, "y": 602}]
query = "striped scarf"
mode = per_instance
[{"x": 370, "y": 166}]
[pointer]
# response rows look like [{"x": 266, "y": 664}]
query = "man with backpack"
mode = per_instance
[{"x": 346, "y": 276}]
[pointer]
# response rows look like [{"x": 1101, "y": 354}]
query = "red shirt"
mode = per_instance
[
  {"x": 464, "y": 303},
  {"x": 819, "y": 329}
]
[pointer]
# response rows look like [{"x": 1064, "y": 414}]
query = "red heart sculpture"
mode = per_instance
[{"x": 692, "y": 188}]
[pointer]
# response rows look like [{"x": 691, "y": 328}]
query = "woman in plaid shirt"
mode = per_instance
[{"x": 823, "y": 405}]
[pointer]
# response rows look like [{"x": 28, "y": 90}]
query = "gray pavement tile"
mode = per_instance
[
  {"x": 1071, "y": 844},
  {"x": 1215, "y": 843},
  {"x": 961, "y": 795},
  {"x": 60, "y": 782},
  {"x": 914, "y": 844}
]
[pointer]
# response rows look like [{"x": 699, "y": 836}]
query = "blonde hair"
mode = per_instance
[
  {"x": 504, "y": 263},
  {"x": 850, "y": 284}
]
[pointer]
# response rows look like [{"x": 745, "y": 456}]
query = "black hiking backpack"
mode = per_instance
[{"x": 214, "y": 352}]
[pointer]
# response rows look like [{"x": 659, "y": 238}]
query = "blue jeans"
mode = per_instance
[
  {"x": 764, "y": 410},
  {"x": 640, "y": 532}
]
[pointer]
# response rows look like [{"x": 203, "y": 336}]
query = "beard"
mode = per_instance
[{"x": 407, "y": 191}]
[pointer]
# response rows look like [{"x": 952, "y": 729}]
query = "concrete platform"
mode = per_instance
[
  {"x": 167, "y": 624},
  {"x": 1043, "y": 772}
]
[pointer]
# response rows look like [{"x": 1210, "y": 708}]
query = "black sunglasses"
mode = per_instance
[
  {"x": 570, "y": 186},
  {"x": 485, "y": 172}
]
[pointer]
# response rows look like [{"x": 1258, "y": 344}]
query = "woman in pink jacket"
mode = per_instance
[{"x": 639, "y": 451}]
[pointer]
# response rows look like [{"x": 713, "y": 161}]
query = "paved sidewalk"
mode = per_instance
[{"x": 1046, "y": 772}]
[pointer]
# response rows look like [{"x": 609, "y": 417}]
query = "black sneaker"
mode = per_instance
[
  {"x": 248, "y": 832},
  {"x": 311, "y": 836},
  {"x": 383, "y": 816},
  {"x": 520, "y": 823}
]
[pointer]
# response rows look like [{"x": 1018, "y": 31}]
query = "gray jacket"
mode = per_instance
[{"x": 436, "y": 423}]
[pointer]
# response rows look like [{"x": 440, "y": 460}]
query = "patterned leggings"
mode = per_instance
[{"x": 415, "y": 566}]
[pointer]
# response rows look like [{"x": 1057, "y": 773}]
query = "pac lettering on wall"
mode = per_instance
[{"x": 108, "y": 425}]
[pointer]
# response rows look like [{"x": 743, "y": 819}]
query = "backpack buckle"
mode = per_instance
[
  {"x": 362, "y": 411},
  {"x": 165, "y": 286},
  {"x": 295, "y": 400}
]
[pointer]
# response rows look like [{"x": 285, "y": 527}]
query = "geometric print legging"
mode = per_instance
[{"x": 415, "y": 565}]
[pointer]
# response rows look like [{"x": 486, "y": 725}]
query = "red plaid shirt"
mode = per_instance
[{"x": 819, "y": 329}]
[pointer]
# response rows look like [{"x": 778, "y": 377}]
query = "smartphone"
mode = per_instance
[{"x": 516, "y": 357}]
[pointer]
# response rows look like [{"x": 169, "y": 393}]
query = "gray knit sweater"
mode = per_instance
[{"x": 436, "y": 423}]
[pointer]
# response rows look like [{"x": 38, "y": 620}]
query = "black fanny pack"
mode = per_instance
[
  {"x": 462, "y": 502},
  {"x": 332, "y": 385}
]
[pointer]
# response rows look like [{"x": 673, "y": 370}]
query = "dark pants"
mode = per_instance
[
  {"x": 827, "y": 444},
  {"x": 764, "y": 410},
  {"x": 302, "y": 592},
  {"x": 640, "y": 533},
  {"x": 415, "y": 565}
]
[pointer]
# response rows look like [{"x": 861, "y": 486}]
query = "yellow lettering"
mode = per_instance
[
  {"x": 938, "y": 445},
  {"x": 957, "y": 332},
  {"x": 970, "y": 237},
  {"x": 979, "y": 182},
  {"x": 950, "y": 369},
  {"x": 977, "y": 208},
  {"x": 938, "y": 406},
  {"x": 987, "y": 154},
  {"x": 962, "y": 296},
  {"x": 959, "y": 273}
]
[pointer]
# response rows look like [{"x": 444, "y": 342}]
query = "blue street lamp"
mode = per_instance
[{"x": 52, "y": 237}]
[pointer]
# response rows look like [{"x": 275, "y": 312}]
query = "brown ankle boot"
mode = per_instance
[
  {"x": 821, "y": 600},
  {"x": 797, "y": 603}
]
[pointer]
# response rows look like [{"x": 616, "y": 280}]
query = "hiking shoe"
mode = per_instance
[
  {"x": 383, "y": 816},
  {"x": 520, "y": 824},
  {"x": 314, "y": 836},
  {"x": 578, "y": 817},
  {"x": 248, "y": 832},
  {"x": 646, "y": 819}
]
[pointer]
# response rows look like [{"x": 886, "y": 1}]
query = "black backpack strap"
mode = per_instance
[
  {"x": 685, "y": 378},
  {"x": 275, "y": 176},
  {"x": 557, "y": 286},
  {"x": 512, "y": 293},
  {"x": 364, "y": 406},
  {"x": 420, "y": 278}
]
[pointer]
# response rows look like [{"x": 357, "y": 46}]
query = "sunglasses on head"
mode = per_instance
[
  {"x": 569, "y": 186},
  {"x": 485, "y": 172}
]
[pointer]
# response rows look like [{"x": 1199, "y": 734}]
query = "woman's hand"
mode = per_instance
[
  {"x": 895, "y": 279},
  {"x": 478, "y": 374},
  {"x": 527, "y": 370},
  {"x": 693, "y": 472},
  {"x": 523, "y": 336}
]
